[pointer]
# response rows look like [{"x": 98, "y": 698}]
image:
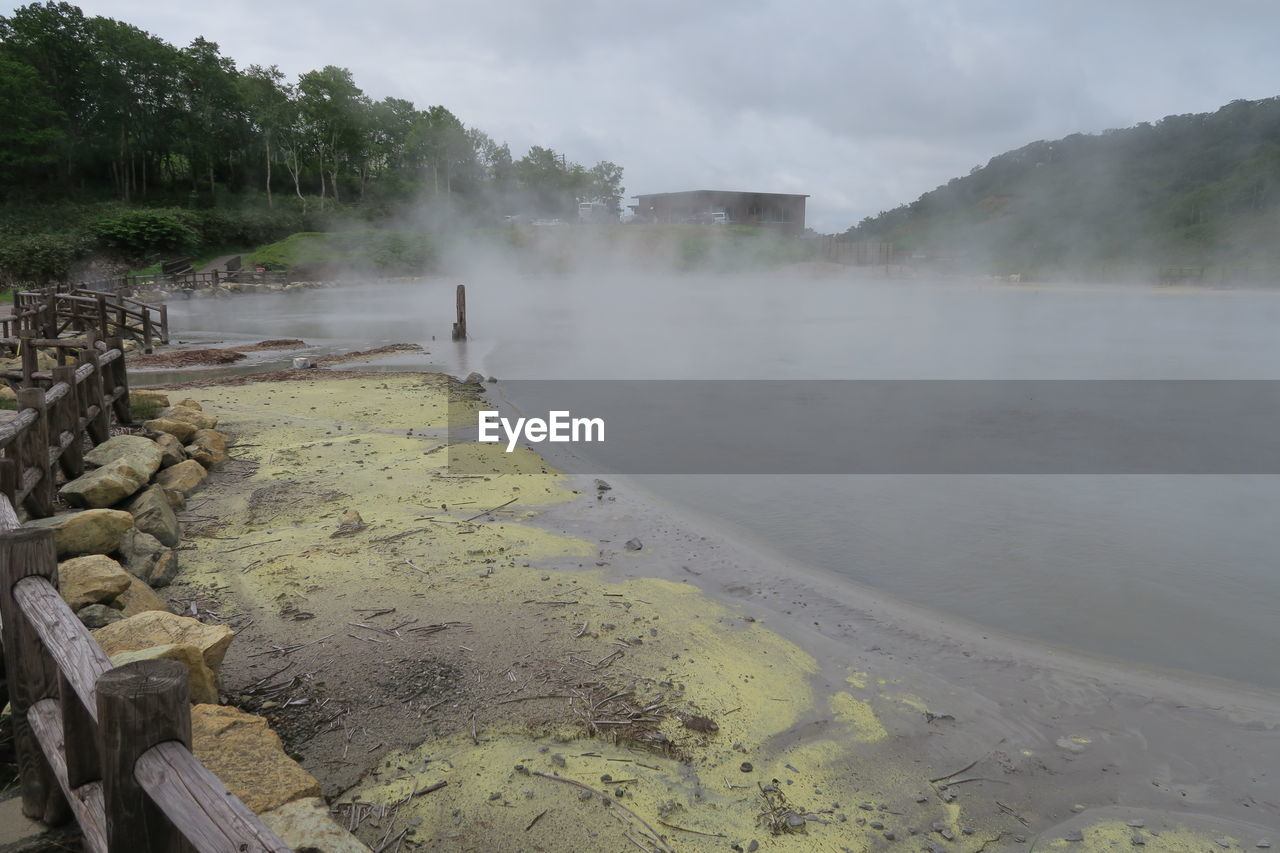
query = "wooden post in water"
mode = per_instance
[{"x": 460, "y": 325}]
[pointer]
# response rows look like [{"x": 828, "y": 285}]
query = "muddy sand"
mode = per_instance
[{"x": 486, "y": 662}]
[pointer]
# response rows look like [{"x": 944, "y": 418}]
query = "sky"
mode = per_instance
[{"x": 861, "y": 104}]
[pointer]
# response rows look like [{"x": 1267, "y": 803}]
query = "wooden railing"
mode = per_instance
[
  {"x": 109, "y": 746},
  {"x": 55, "y": 411},
  {"x": 51, "y": 312},
  {"x": 185, "y": 280}
]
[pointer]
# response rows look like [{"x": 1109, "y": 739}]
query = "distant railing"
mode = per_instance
[
  {"x": 129, "y": 284},
  {"x": 51, "y": 312}
]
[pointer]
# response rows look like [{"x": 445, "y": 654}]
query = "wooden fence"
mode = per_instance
[
  {"x": 190, "y": 280},
  {"x": 108, "y": 746},
  {"x": 49, "y": 313}
]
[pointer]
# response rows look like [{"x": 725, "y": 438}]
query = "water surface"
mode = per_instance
[{"x": 1174, "y": 571}]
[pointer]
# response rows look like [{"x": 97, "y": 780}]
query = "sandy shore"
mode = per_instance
[{"x": 496, "y": 633}]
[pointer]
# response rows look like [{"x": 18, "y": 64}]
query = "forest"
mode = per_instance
[
  {"x": 114, "y": 139},
  {"x": 1197, "y": 189}
]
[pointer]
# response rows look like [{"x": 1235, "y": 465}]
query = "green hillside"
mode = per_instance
[{"x": 1188, "y": 190}]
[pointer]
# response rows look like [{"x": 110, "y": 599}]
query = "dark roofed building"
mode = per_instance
[{"x": 784, "y": 211}]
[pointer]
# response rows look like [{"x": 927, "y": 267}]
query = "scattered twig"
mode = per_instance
[
  {"x": 694, "y": 831},
  {"x": 662, "y": 845},
  {"x": 536, "y": 818},
  {"x": 251, "y": 545},
  {"x": 494, "y": 509},
  {"x": 968, "y": 766}
]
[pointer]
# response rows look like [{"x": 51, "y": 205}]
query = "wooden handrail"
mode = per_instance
[{"x": 104, "y": 744}]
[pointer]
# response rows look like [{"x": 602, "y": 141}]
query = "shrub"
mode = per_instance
[
  {"x": 39, "y": 258},
  {"x": 139, "y": 233}
]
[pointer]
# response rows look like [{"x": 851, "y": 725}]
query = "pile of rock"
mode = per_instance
[{"x": 118, "y": 547}]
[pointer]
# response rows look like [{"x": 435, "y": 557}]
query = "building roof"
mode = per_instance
[{"x": 723, "y": 192}]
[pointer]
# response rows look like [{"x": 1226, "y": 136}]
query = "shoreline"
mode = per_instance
[{"x": 915, "y": 693}]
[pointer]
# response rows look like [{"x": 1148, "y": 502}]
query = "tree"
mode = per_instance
[
  {"x": 31, "y": 131},
  {"x": 334, "y": 110},
  {"x": 270, "y": 110}
]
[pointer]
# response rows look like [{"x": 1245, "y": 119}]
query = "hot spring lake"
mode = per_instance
[{"x": 1177, "y": 571}]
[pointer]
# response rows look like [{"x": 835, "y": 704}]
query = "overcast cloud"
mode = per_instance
[{"x": 862, "y": 105}]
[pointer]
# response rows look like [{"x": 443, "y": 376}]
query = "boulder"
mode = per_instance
[
  {"x": 180, "y": 430},
  {"x": 7, "y": 393},
  {"x": 93, "y": 531},
  {"x": 146, "y": 558},
  {"x": 159, "y": 628},
  {"x": 94, "y": 579},
  {"x": 190, "y": 404},
  {"x": 208, "y": 447},
  {"x": 192, "y": 416},
  {"x": 148, "y": 397},
  {"x": 201, "y": 681},
  {"x": 170, "y": 449},
  {"x": 185, "y": 477},
  {"x": 141, "y": 454},
  {"x": 139, "y": 598},
  {"x": 246, "y": 755},
  {"x": 95, "y": 616},
  {"x": 152, "y": 513},
  {"x": 101, "y": 487},
  {"x": 307, "y": 825}
]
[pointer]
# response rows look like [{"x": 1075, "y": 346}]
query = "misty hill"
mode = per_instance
[{"x": 1200, "y": 189}]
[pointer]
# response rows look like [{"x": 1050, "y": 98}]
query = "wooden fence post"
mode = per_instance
[
  {"x": 67, "y": 419},
  {"x": 99, "y": 425},
  {"x": 30, "y": 356},
  {"x": 35, "y": 452},
  {"x": 460, "y": 325},
  {"x": 32, "y": 673},
  {"x": 102, "y": 316},
  {"x": 140, "y": 705},
  {"x": 119, "y": 377},
  {"x": 164, "y": 323}
]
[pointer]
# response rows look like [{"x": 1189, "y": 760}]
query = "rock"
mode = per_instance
[
  {"x": 492, "y": 379},
  {"x": 180, "y": 430},
  {"x": 190, "y": 404},
  {"x": 349, "y": 523},
  {"x": 152, "y": 513},
  {"x": 633, "y": 545},
  {"x": 94, "y": 579},
  {"x": 147, "y": 397},
  {"x": 185, "y": 477},
  {"x": 201, "y": 681},
  {"x": 307, "y": 825},
  {"x": 177, "y": 500},
  {"x": 208, "y": 447},
  {"x": 1074, "y": 835},
  {"x": 95, "y": 616},
  {"x": 159, "y": 628},
  {"x": 171, "y": 450},
  {"x": 102, "y": 487},
  {"x": 474, "y": 378},
  {"x": 139, "y": 598},
  {"x": 602, "y": 486},
  {"x": 7, "y": 393},
  {"x": 146, "y": 558},
  {"x": 93, "y": 531},
  {"x": 194, "y": 417},
  {"x": 246, "y": 755},
  {"x": 142, "y": 455}
]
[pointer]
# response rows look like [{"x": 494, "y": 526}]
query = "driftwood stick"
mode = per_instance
[
  {"x": 666, "y": 848},
  {"x": 492, "y": 509}
]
